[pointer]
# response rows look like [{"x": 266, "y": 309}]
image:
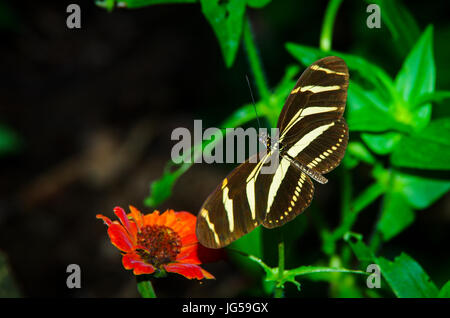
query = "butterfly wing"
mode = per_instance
[
  {"x": 236, "y": 206},
  {"x": 312, "y": 129},
  {"x": 290, "y": 193}
]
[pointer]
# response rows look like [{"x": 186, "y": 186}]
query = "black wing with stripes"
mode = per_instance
[
  {"x": 235, "y": 207},
  {"x": 312, "y": 129}
]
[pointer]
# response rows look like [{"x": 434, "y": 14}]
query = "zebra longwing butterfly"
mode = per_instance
[{"x": 313, "y": 137}]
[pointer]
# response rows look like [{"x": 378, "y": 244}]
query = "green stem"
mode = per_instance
[
  {"x": 279, "y": 292},
  {"x": 145, "y": 288},
  {"x": 255, "y": 62},
  {"x": 328, "y": 22}
]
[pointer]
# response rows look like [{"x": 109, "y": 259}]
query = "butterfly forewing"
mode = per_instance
[
  {"x": 235, "y": 207},
  {"x": 312, "y": 129},
  {"x": 319, "y": 94}
]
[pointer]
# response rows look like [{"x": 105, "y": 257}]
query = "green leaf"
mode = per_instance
[
  {"x": 367, "y": 111},
  {"x": 418, "y": 73},
  {"x": 405, "y": 192},
  {"x": 420, "y": 192},
  {"x": 383, "y": 143},
  {"x": 397, "y": 215},
  {"x": 360, "y": 152},
  {"x": 445, "y": 291},
  {"x": 404, "y": 275},
  {"x": 407, "y": 278},
  {"x": 437, "y": 96},
  {"x": 362, "y": 252},
  {"x": 427, "y": 149},
  {"x": 227, "y": 22}
]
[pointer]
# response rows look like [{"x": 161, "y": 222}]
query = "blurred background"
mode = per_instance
[{"x": 86, "y": 117}]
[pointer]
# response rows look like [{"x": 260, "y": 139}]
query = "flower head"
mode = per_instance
[{"x": 157, "y": 242}]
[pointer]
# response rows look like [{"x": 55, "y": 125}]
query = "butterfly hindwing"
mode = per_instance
[{"x": 291, "y": 192}]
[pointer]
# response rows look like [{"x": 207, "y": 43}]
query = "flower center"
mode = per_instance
[{"x": 161, "y": 243}]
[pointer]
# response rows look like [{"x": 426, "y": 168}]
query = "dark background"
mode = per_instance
[{"x": 94, "y": 109}]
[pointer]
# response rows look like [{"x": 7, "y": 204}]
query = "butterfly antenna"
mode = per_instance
[{"x": 253, "y": 100}]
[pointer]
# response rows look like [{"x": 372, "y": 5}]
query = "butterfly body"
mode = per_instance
[{"x": 312, "y": 140}]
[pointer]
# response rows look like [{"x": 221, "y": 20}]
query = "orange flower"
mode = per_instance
[{"x": 157, "y": 242}]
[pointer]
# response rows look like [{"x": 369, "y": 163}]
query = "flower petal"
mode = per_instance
[
  {"x": 123, "y": 218},
  {"x": 189, "y": 271},
  {"x": 184, "y": 222},
  {"x": 137, "y": 216},
  {"x": 188, "y": 239},
  {"x": 189, "y": 254},
  {"x": 134, "y": 261},
  {"x": 151, "y": 219},
  {"x": 107, "y": 221},
  {"x": 120, "y": 237}
]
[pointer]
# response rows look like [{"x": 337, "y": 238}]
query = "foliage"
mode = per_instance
[{"x": 404, "y": 275}]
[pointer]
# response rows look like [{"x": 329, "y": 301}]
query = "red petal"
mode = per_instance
[
  {"x": 119, "y": 237},
  {"x": 133, "y": 261},
  {"x": 151, "y": 218},
  {"x": 184, "y": 223},
  {"x": 126, "y": 223},
  {"x": 189, "y": 271},
  {"x": 137, "y": 216},
  {"x": 107, "y": 221},
  {"x": 189, "y": 239},
  {"x": 189, "y": 254}
]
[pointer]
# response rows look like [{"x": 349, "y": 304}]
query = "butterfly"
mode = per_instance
[{"x": 313, "y": 136}]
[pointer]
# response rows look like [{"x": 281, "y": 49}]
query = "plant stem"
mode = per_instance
[
  {"x": 279, "y": 292},
  {"x": 145, "y": 288},
  {"x": 255, "y": 62},
  {"x": 328, "y": 22}
]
